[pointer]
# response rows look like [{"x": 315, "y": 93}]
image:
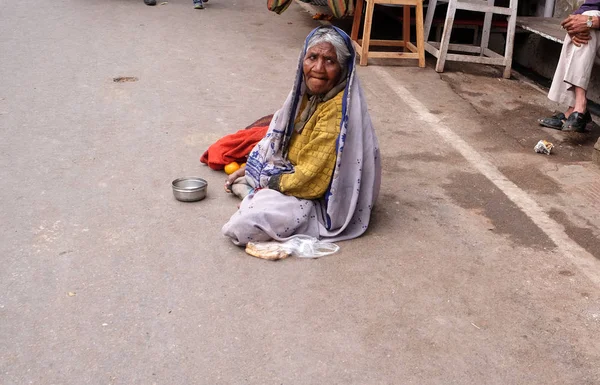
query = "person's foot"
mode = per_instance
[
  {"x": 198, "y": 6},
  {"x": 555, "y": 121},
  {"x": 577, "y": 122},
  {"x": 150, "y": 2}
]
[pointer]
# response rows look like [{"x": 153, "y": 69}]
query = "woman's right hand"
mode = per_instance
[{"x": 233, "y": 176}]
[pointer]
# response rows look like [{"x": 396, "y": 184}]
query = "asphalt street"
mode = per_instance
[{"x": 481, "y": 266}]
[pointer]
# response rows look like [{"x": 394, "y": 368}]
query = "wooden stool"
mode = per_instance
[
  {"x": 410, "y": 50},
  {"x": 472, "y": 53}
]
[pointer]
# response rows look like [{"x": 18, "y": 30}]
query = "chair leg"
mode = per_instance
[
  {"x": 487, "y": 28},
  {"x": 364, "y": 55},
  {"x": 405, "y": 26},
  {"x": 510, "y": 36},
  {"x": 429, "y": 18},
  {"x": 356, "y": 21},
  {"x": 439, "y": 67},
  {"x": 419, "y": 30}
]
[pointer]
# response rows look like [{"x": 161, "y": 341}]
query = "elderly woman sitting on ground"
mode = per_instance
[{"x": 317, "y": 171}]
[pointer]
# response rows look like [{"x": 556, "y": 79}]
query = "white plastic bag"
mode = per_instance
[{"x": 543, "y": 147}]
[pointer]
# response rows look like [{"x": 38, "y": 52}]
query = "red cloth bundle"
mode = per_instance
[{"x": 236, "y": 147}]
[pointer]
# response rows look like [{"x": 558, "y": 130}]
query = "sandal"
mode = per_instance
[
  {"x": 577, "y": 122},
  {"x": 555, "y": 121}
]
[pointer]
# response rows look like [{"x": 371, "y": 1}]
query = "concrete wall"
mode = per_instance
[{"x": 563, "y": 8}]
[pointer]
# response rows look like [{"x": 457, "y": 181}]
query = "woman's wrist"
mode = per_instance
[{"x": 273, "y": 182}]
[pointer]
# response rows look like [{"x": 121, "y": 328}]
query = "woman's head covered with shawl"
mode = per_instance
[{"x": 325, "y": 60}]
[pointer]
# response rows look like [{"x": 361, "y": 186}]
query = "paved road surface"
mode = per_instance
[{"x": 481, "y": 265}]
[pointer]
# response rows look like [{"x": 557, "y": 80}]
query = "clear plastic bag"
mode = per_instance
[{"x": 301, "y": 246}]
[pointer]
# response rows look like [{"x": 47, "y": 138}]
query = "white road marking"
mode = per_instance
[{"x": 586, "y": 262}]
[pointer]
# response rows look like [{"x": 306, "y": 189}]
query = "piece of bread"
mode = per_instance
[{"x": 271, "y": 251}]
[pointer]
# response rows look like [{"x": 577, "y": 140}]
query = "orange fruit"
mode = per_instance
[
  {"x": 243, "y": 165},
  {"x": 231, "y": 168}
]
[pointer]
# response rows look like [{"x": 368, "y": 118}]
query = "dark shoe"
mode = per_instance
[
  {"x": 555, "y": 121},
  {"x": 577, "y": 122},
  {"x": 150, "y": 2}
]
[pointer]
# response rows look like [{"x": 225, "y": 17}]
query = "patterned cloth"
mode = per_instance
[
  {"x": 344, "y": 212},
  {"x": 339, "y": 8}
]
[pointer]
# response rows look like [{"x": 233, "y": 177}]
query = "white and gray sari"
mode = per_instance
[{"x": 345, "y": 209}]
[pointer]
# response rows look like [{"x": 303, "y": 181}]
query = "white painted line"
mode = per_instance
[{"x": 586, "y": 262}]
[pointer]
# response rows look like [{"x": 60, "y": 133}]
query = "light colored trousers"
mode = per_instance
[{"x": 574, "y": 67}]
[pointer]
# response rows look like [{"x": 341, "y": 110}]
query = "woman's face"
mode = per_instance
[{"x": 321, "y": 68}]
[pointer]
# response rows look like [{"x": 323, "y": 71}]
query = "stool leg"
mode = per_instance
[
  {"x": 439, "y": 67},
  {"x": 356, "y": 21},
  {"x": 419, "y": 28},
  {"x": 406, "y": 26},
  {"x": 364, "y": 55}
]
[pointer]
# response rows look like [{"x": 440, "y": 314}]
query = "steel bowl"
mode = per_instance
[{"x": 189, "y": 189}]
